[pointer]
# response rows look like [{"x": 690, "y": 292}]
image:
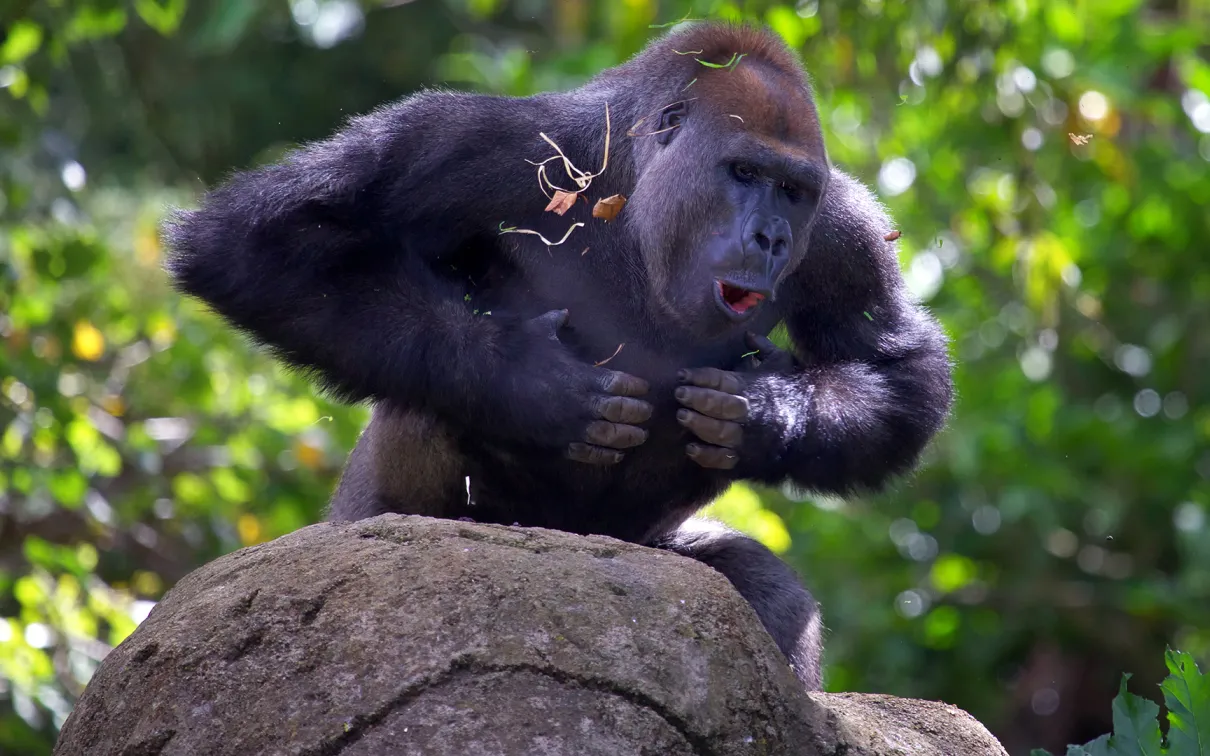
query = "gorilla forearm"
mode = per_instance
[
  {"x": 329, "y": 258},
  {"x": 848, "y": 426},
  {"x": 874, "y": 383}
]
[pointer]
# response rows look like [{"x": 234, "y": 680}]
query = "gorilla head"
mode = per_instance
[{"x": 731, "y": 167}]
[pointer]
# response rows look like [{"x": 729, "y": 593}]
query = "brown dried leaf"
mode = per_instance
[
  {"x": 607, "y": 209},
  {"x": 561, "y": 202},
  {"x": 892, "y": 236}
]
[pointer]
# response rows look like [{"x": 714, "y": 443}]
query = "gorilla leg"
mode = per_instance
[
  {"x": 404, "y": 462},
  {"x": 788, "y": 611}
]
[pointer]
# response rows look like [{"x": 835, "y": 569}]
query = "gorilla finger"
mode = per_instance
[
  {"x": 623, "y": 384},
  {"x": 712, "y": 456},
  {"x": 761, "y": 343},
  {"x": 713, "y": 403},
  {"x": 713, "y": 378},
  {"x": 769, "y": 356},
  {"x": 551, "y": 322},
  {"x": 592, "y": 455},
  {"x": 614, "y": 435},
  {"x": 717, "y": 432},
  {"x": 623, "y": 409}
]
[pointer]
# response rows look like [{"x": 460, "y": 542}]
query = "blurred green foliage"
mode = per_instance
[{"x": 1047, "y": 164}]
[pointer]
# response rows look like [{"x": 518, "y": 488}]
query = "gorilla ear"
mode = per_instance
[{"x": 671, "y": 119}]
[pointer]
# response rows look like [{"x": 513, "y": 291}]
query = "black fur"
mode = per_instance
[{"x": 375, "y": 260}]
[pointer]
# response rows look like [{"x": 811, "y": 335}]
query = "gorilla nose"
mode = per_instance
[{"x": 767, "y": 238}]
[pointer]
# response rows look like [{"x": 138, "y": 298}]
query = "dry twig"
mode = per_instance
[{"x": 610, "y": 357}]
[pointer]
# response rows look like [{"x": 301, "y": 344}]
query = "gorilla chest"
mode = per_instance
[{"x": 612, "y": 318}]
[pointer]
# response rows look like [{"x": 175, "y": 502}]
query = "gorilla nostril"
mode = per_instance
[
  {"x": 780, "y": 248},
  {"x": 763, "y": 242}
]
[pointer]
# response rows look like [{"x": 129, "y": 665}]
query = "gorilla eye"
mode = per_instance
[
  {"x": 792, "y": 192},
  {"x": 744, "y": 172}
]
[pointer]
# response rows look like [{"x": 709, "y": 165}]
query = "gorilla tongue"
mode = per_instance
[{"x": 740, "y": 300}]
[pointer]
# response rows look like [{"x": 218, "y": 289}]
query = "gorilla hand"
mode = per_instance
[
  {"x": 589, "y": 412},
  {"x": 716, "y": 408}
]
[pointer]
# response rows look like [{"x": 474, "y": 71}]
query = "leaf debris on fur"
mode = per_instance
[
  {"x": 672, "y": 23},
  {"x": 561, "y": 202},
  {"x": 582, "y": 178},
  {"x": 892, "y": 236},
  {"x": 607, "y": 209},
  {"x": 547, "y": 242},
  {"x": 735, "y": 59},
  {"x": 610, "y": 357}
]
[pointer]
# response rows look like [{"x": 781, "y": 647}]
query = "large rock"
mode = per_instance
[{"x": 408, "y": 635}]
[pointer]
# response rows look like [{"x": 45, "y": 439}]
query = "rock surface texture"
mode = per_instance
[{"x": 402, "y": 636}]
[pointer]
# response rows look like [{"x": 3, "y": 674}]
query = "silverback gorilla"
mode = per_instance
[{"x": 619, "y": 381}]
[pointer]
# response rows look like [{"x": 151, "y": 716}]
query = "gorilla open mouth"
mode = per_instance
[{"x": 736, "y": 300}]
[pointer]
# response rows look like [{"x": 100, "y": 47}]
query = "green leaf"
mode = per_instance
[
  {"x": 1098, "y": 747},
  {"x": 735, "y": 59},
  {"x": 672, "y": 23},
  {"x": 1187, "y": 696},
  {"x": 1136, "y": 731},
  {"x": 92, "y": 23},
  {"x": 164, "y": 17},
  {"x": 24, "y": 39}
]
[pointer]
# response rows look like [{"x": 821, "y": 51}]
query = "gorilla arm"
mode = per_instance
[
  {"x": 330, "y": 258},
  {"x": 871, "y": 385}
]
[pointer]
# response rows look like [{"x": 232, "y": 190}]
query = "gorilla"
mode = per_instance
[{"x": 532, "y": 361}]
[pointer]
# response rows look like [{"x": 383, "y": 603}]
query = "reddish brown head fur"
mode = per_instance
[{"x": 765, "y": 85}]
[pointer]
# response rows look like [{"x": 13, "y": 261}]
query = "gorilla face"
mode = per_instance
[
  {"x": 772, "y": 204},
  {"x": 725, "y": 203}
]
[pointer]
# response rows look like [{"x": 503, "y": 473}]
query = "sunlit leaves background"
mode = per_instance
[{"x": 1046, "y": 163}]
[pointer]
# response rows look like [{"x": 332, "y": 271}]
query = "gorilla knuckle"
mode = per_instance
[
  {"x": 707, "y": 428},
  {"x": 732, "y": 384},
  {"x": 636, "y": 411},
  {"x": 732, "y": 436},
  {"x": 713, "y": 403},
  {"x": 593, "y": 455},
  {"x": 715, "y": 379},
  {"x": 713, "y": 457},
  {"x": 623, "y": 384},
  {"x": 614, "y": 435},
  {"x": 735, "y": 409},
  {"x": 622, "y": 409}
]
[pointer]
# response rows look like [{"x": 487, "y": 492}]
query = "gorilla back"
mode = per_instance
[{"x": 566, "y": 371}]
